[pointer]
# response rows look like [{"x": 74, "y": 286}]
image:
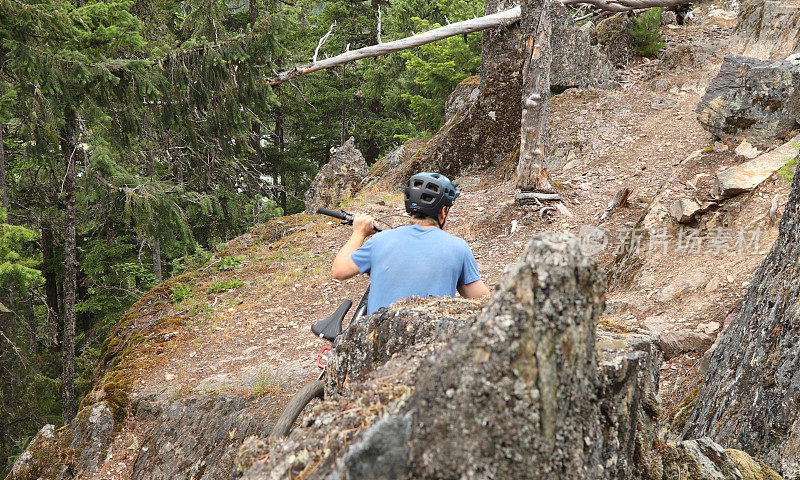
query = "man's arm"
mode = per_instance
[
  {"x": 475, "y": 289},
  {"x": 343, "y": 266}
]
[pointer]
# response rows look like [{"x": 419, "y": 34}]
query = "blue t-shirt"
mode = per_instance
[{"x": 411, "y": 260}]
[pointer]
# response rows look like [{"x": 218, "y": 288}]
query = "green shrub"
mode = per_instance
[
  {"x": 787, "y": 171},
  {"x": 646, "y": 32},
  {"x": 231, "y": 262},
  {"x": 180, "y": 291},
  {"x": 225, "y": 285}
]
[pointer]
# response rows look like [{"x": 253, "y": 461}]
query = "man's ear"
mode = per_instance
[{"x": 443, "y": 214}]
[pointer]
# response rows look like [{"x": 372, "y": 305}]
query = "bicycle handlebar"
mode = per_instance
[{"x": 342, "y": 215}]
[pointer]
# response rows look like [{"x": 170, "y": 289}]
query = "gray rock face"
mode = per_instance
[
  {"x": 199, "y": 437},
  {"x": 769, "y": 29},
  {"x": 517, "y": 398},
  {"x": 576, "y": 62},
  {"x": 44, "y": 457},
  {"x": 338, "y": 179},
  {"x": 702, "y": 458},
  {"x": 93, "y": 431},
  {"x": 378, "y": 337},
  {"x": 750, "y": 398},
  {"x": 628, "y": 393},
  {"x": 381, "y": 452},
  {"x": 71, "y": 452},
  {"x": 465, "y": 94},
  {"x": 612, "y": 34},
  {"x": 759, "y": 100}
]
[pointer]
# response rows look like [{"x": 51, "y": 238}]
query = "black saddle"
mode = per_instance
[{"x": 329, "y": 328}]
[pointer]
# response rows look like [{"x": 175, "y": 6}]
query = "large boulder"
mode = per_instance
[
  {"x": 338, "y": 179},
  {"x": 483, "y": 127},
  {"x": 68, "y": 452},
  {"x": 755, "y": 99},
  {"x": 612, "y": 34},
  {"x": 769, "y": 29},
  {"x": 750, "y": 397}
]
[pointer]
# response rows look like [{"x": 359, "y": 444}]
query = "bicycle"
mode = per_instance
[{"x": 328, "y": 328}]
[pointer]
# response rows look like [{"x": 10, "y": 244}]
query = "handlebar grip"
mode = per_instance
[{"x": 332, "y": 213}]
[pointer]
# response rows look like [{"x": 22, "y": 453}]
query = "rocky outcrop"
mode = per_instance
[
  {"x": 769, "y": 29},
  {"x": 750, "y": 397},
  {"x": 199, "y": 437},
  {"x": 518, "y": 392},
  {"x": 750, "y": 98},
  {"x": 338, "y": 179},
  {"x": 517, "y": 396}
]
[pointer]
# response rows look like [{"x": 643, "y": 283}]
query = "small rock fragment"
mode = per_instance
[
  {"x": 746, "y": 150},
  {"x": 684, "y": 209}
]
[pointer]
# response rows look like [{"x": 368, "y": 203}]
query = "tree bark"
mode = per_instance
[
  {"x": 536, "y": 57},
  {"x": 343, "y": 130},
  {"x": 49, "y": 272},
  {"x": 3, "y": 184},
  {"x": 69, "y": 150},
  {"x": 157, "y": 260}
]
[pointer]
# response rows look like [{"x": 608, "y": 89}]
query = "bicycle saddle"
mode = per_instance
[{"x": 329, "y": 328}]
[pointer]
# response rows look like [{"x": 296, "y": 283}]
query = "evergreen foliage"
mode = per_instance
[
  {"x": 646, "y": 32},
  {"x": 177, "y": 145}
]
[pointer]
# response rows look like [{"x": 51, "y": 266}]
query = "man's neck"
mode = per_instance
[{"x": 422, "y": 224}]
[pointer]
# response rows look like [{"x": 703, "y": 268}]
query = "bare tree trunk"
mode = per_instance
[
  {"x": 157, "y": 260},
  {"x": 535, "y": 141},
  {"x": 344, "y": 105},
  {"x": 69, "y": 150},
  {"x": 3, "y": 184},
  {"x": 49, "y": 272},
  {"x": 280, "y": 180}
]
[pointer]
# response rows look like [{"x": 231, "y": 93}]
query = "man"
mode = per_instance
[{"x": 419, "y": 259}]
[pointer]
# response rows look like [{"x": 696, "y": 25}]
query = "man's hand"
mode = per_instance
[
  {"x": 343, "y": 266},
  {"x": 363, "y": 224}
]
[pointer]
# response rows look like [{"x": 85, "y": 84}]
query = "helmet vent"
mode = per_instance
[
  {"x": 433, "y": 187},
  {"x": 417, "y": 183}
]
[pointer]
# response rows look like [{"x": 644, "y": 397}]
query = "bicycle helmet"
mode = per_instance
[{"x": 427, "y": 193}]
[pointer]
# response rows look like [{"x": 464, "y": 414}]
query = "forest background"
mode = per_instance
[{"x": 137, "y": 137}]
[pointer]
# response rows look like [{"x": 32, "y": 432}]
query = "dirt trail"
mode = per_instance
[{"x": 255, "y": 339}]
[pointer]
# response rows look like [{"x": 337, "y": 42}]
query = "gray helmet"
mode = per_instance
[{"x": 426, "y": 194}]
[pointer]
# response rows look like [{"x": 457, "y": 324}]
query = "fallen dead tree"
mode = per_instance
[{"x": 494, "y": 20}]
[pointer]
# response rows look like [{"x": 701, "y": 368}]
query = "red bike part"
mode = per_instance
[{"x": 321, "y": 355}]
